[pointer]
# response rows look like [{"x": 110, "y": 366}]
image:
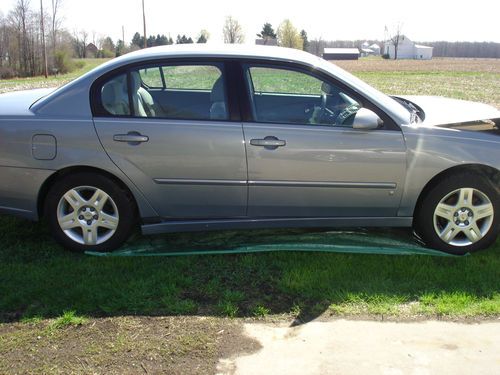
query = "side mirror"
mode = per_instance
[{"x": 366, "y": 120}]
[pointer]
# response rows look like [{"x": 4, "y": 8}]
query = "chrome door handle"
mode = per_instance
[
  {"x": 133, "y": 138},
  {"x": 269, "y": 142}
]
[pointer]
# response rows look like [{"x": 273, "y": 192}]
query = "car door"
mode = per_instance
[
  {"x": 168, "y": 127},
  {"x": 305, "y": 160}
]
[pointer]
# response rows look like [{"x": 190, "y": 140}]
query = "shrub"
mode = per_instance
[
  {"x": 105, "y": 54},
  {"x": 385, "y": 56},
  {"x": 63, "y": 63},
  {"x": 7, "y": 72}
]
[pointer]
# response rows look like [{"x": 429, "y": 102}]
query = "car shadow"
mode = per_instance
[{"x": 40, "y": 279}]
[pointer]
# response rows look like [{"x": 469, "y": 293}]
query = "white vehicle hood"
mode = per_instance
[{"x": 445, "y": 111}]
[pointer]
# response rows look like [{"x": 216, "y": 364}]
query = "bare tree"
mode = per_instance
[
  {"x": 44, "y": 48},
  {"x": 55, "y": 22},
  {"x": 80, "y": 41},
  {"x": 19, "y": 18},
  {"x": 233, "y": 32},
  {"x": 4, "y": 47},
  {"x": 396, "y": 37},
  {"x": 316, "y": 46}
]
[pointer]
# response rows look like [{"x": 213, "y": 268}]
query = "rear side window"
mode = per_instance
[
  {"x": 191, "y": 77},
  {"x": 170, "y": 91}
]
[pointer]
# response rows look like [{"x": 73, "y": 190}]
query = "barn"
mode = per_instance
[
  {"x": 341, "y": 53},
  {"x": 408, "y": 50}
]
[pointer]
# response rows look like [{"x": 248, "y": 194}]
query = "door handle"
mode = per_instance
[
  {"x": 134, "y": 138},
  {"x": 269, "y": 142}
]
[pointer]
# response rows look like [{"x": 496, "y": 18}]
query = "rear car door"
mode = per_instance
[
  {"x": 305, "y": 160},
  {"x": 168, "y": 126}
]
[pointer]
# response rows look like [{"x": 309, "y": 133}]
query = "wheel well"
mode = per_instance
[
  {"x": 42, "y": 194},
  {"x": 483, "y": 170}
]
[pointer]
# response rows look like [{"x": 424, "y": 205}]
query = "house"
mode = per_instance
[
  {"x": 91, "y": 50},
  {"x": 366, "y": 52},
  {"x": 375, "y": 48},
  {"x": 408, "y": 50},
  {"x": 266, "y": 42},
  {"x": 341, "y": 53}
]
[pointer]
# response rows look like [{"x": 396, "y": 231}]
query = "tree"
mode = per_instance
[
  {"x": 162, "y": 40},
  {"x": 151, "y": 41},
  {"x": 120, "y": 48},
  {"x": 267, "y": 32},
  {"x": 396, "y": 37},
  {"x": 232, "y": 31},
  {"x": 184, "y": 40},
  {"x": 138, "y": 40},
  {"x": 305, "y": 40},
  {"x": 288, "y": 36},
  {"x": 107, "y": 44},
  {"x": 203, "y": 37},
  {"x": 55, "y": 22}
]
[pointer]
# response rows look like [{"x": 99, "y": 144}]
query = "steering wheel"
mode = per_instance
[{"x": 346, "y": 113}]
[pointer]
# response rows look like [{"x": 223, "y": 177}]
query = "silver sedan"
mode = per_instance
[{"x": 192, "y": 138}]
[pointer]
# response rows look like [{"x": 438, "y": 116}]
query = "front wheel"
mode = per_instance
[
  {"x": 89, "y": 211},
  {"x": 460, "y": 214}
]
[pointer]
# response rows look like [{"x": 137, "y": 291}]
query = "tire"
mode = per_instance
[
  {"x": 460, "y": 214},
  {"x": 89, "y": 212}
]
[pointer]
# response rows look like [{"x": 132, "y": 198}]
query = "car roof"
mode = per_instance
[
  {"x": 213, "y": 50},
  {"x": 226, "y": 50}
]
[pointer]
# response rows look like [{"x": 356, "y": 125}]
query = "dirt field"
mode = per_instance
[{"x": 374, "y": 64}]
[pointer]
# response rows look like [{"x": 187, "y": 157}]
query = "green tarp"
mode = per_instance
[{"x": 361, "y": 241}]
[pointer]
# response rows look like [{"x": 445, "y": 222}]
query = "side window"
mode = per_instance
[
  {"x": 152, "y": 77},
  {"x": 281, "y": 95},
  {"x": 114, "y": 96},
  {"x": 190, "y": 91}
]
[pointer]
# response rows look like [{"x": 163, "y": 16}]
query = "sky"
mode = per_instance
[{"x": 422, "y": 20}]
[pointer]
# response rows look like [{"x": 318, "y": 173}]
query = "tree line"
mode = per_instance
[
  {"x": 22, "y": 41},
  {"x": 465, "y": 49}
]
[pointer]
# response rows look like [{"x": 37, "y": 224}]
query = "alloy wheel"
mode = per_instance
[
  {"x": 87, "y": 215},
  {"x": 463, "y": 217}
]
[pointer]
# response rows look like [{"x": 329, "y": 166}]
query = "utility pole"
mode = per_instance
[
  {"x": 44, "y": 49},
  {"x": 123, "y": 35},
  {"x": 144, "y": 21}
]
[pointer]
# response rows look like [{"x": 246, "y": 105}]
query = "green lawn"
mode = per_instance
[
  {"x": 39, "y": 279},
  {"x": 7, "y": 85}
]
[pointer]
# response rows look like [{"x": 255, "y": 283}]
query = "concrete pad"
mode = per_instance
[{"x": 363, "y": 347}]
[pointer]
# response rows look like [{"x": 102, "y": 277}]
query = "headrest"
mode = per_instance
[
  {"x": 217, "y": 94},
  {"x": 135, "y": 80},
  {"x": 326, "y": 88}
]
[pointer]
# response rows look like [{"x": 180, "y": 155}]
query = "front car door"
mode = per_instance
[
  {"x": 305, "y": 160},
  {"x": 168, "y": 127}
]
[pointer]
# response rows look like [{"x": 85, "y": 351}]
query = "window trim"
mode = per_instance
[
  {"x": 247, "y": 112},
  {"x": 224, "y": 64}
]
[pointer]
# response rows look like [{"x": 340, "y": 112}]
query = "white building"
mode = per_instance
[
  {"x": 375, "y": 48},
  {"x": 408, "y": 50}
]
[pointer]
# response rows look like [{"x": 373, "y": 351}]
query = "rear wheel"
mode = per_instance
[
  {"x": 88, "y": 211},
  {"x": 460, "y": 214}
]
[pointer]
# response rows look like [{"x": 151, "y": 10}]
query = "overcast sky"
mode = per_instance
[{"x": 423, "y": 20}]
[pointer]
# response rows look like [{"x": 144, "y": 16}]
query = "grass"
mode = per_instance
[
  {"x": 68, "y": 318},
  {"x": 7, "y": 85},
  {"x": 40, "y": 280}
]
